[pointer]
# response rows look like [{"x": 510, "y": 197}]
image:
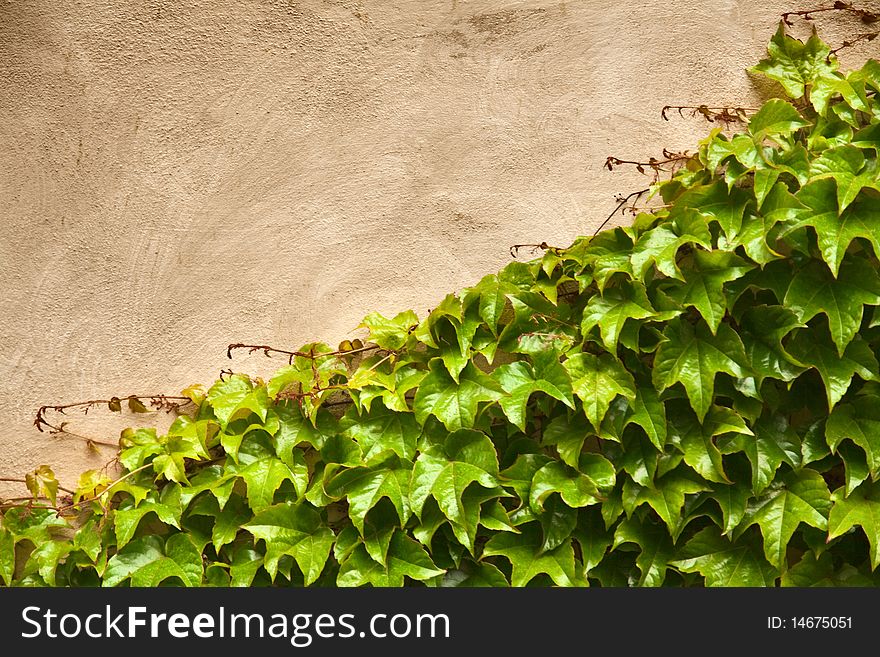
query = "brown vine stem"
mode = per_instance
[
  {"x": 725, "y": 115},
  {"x": 114, "y": 403},
  {"x": 14, "y": 480},
  {"x": 621, "y": 202},
  {"x": 268, "y": 351},
  {"x": 543, "y": 246},
  {"x": 652, "y": 163},
  {"x": 806, "y": 14},
  {"x": 867, "y": 36}
]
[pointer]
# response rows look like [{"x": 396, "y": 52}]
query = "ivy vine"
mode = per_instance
[{"x": 689, "y": 400}]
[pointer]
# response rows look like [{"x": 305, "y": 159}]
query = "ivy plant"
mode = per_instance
[{"x": 689, "y": 400}]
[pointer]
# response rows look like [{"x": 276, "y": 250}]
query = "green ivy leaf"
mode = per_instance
[
  {"x": 655, "y": 548},
  {"x": 527, "y": 561},
  {"x": 666, "y": 498},
  {"x": 733, "y": 500},
  {"x": 381, "y": 430},
  {"x": 576, "y": 489},
  {"x": 716, "y": 201},
  {"x": 860, "y": 508},
  {"x": 697, "y": 440},
  {"x": 519, "y": 381},
  {"x": 387, "y": 333},
  {"x": 795, "y": 64},
  {"x": 296, "y": 530},
  {"x": 858, "y": 421},
  {"x": 660, "y": 245},
  {"x": 800, "y": 496},
  {"x": 454, "y": 404},
  {"x": 813, "y": 570},
  {"x": 609, "y": 253},
  {"x": 762, "y": 330},
  {"x": 814, "y": 349},
  {"x": 46, "y": 558},
  {"x": 235, "y": 397},
  {"x": 611, "y": 309},
  {"x": 294, "y": 429},
  {"x": 724, "y": 563},
  {"x": 597, "y": 380},
  {"x": 704, "y": 280},
  {"x": 836, "y": 230},
  {"x": 776, "y": 117},
  {"x": 406, "y": 559},
  {"x": 168, "y": 510},
  {"x": 7, "y": 556},
  {"x": 228, "y": 522},
  {"x": 855, "y": 464},
  {"x": 492, "y": 291},
  {"x": 474, "y": 575},
  {"x": 264, "y": 476},
  {"x": 364, "y": 487},
  {"x": 246, "y": 563},
  {"x": 148, "y": 561},
  {"x": 693, "y": 356},
  {"x": 772, "y": 445},
  {"x": 648, "y": 412},
  {"x": 845, "y": 165}
]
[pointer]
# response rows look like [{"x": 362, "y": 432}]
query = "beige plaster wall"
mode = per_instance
[{"x": 178, "y": 175}]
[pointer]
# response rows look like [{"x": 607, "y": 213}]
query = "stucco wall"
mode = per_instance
[{"x": 178, "y": 175}]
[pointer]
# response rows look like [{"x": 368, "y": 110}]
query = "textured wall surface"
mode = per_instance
[{"x": 178, "y": 175}]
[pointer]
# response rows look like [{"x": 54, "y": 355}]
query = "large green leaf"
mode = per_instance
[
  {"x": 492, "y": 291},
  {"x": 148, "y": 561},
  {"x": 454, "y": 404},
  {"x": 836, "y": 230},
  {"x": 597, "y": 380},
  {"x": 390, "y": 333},
  {"x": 716, "y": 201},
  {"x": 519, "y": 381},
  {"x": 126, "y": 520},
  {"x": 696, "y": 440},
  {"x": 724, "y": 563},
  {"x": 237, "y": 396},
  {"x": 842, "y": 299},
  {"x": 799, "y": 497},
  {"x": 293, "y": 529},
  {"x": 845, "y": 165},
  {"x": 648, "y": 412},
  {"x": 655, "y": 548},
  {"x": 611, "y": 309},
  {"x": 861, "y": 508},
  {"x": 763, "y": 329},
  {"x": 575, "y": 488},
  {"x": 666, "y": 497},
  {"x": 468, "y": 458},
  {"x": 660, "y": 245},
  {"x": 704, "y": 280},
  {"x": 381, "y": 430},
  {"x": 609, "y": 253},
  {"x": 406, "y": 559},
  {"x": 776, "y": 117},
  {"x": 814, "y": 348},
  {"x": 693, "y": 356},
  {"x": 795, "y": 64},
  {"x": 772, "y": 444},
  {"x": 858, "y": 421},
  {"x": 364, "y": 487},
  {"x": 264, "y": 476},
  {"x": 527, "y": 561}
]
